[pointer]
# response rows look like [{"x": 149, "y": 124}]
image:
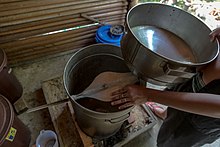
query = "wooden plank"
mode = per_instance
[
  {"x": 47, "y": 14},
  {"x": 13, "y": 8},
  {"x": 87, "y": 141},
  {"x": 25, "y": 38},
  {"x": 27, "y": 34},
  {"x": 56, "y": 26},
  {"x": 62, "y": 23},
  {"x": 36, "y": 57},
  {"x": 9, "y": 1},
  {"x": 21, "y": 4},
  {"x": 20, "y": 106},
  {"x": 73, "y": 41},
  {"x": 37, "y": 23},
  {"x": 15, "y": 63},
  {"x": 47, "y": 39},
  {"x": 60, "y": 115},
  {"x": 51, "y": 50},
  {"x": 34, "y": 24},
  {"x": 45, "y": 50},
  {"x": 73, "y": 19}
]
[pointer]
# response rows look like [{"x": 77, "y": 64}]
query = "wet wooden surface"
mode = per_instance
[{"x": 61, "y": 116}]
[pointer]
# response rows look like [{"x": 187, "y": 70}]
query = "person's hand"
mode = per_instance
[
  {"x": 129, "y": 96},
  {"x": 215, "y": 34}
]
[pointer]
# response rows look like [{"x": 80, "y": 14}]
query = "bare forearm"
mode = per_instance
[{"x": 199, "y": 103}]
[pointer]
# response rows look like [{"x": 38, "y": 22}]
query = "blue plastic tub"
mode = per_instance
[{"x": 104, "y": 35}]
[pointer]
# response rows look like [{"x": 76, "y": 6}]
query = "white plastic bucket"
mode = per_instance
[{"x": 47, "y": 138}]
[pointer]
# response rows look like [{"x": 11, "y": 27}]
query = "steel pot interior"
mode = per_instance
[{"x": 172, "y": 33}]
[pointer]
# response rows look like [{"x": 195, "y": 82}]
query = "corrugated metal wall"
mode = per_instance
[{"x": 24, "y": 24}]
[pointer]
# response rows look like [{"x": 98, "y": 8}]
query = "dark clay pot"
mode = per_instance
[{"x": 10, "y": 86}]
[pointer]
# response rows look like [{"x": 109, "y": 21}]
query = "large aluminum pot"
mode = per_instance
[
  {"x": 165, "y": 44},
  {"x": 79, "y": 73}
]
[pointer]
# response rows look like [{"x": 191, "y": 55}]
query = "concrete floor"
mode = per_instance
[{"x": 32, "y": 75}]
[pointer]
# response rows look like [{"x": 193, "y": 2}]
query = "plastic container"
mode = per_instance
[
  {"x": 110, "y": 34},
  {"x": 47, "y": 138},
  {"x": 10, "y": 86},
  {"x": 13, "y": 133}
]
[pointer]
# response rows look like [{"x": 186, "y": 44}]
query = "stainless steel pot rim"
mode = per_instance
[
  {"x": 164, "y": 57},
  {"x": 98, "y": 54},
  {"x": 82, "y": 49}
]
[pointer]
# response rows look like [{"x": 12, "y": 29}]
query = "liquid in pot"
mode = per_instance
[
  {"x": 97, "y": 105},
  {"x": 165, "y": 43}
]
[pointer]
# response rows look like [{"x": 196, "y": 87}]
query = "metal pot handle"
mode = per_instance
[
  {"x": 182, "y": 72},
  {"x": 119, "y": 119}
]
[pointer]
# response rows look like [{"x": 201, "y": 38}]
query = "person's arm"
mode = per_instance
[
  {"x": 198, "y": 103},
  {"x": 215, "y": 34}
]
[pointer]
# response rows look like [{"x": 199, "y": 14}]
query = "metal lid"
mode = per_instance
[
  {"x": 7, "y": 117},
  {"x": 117, "y": 30}
]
